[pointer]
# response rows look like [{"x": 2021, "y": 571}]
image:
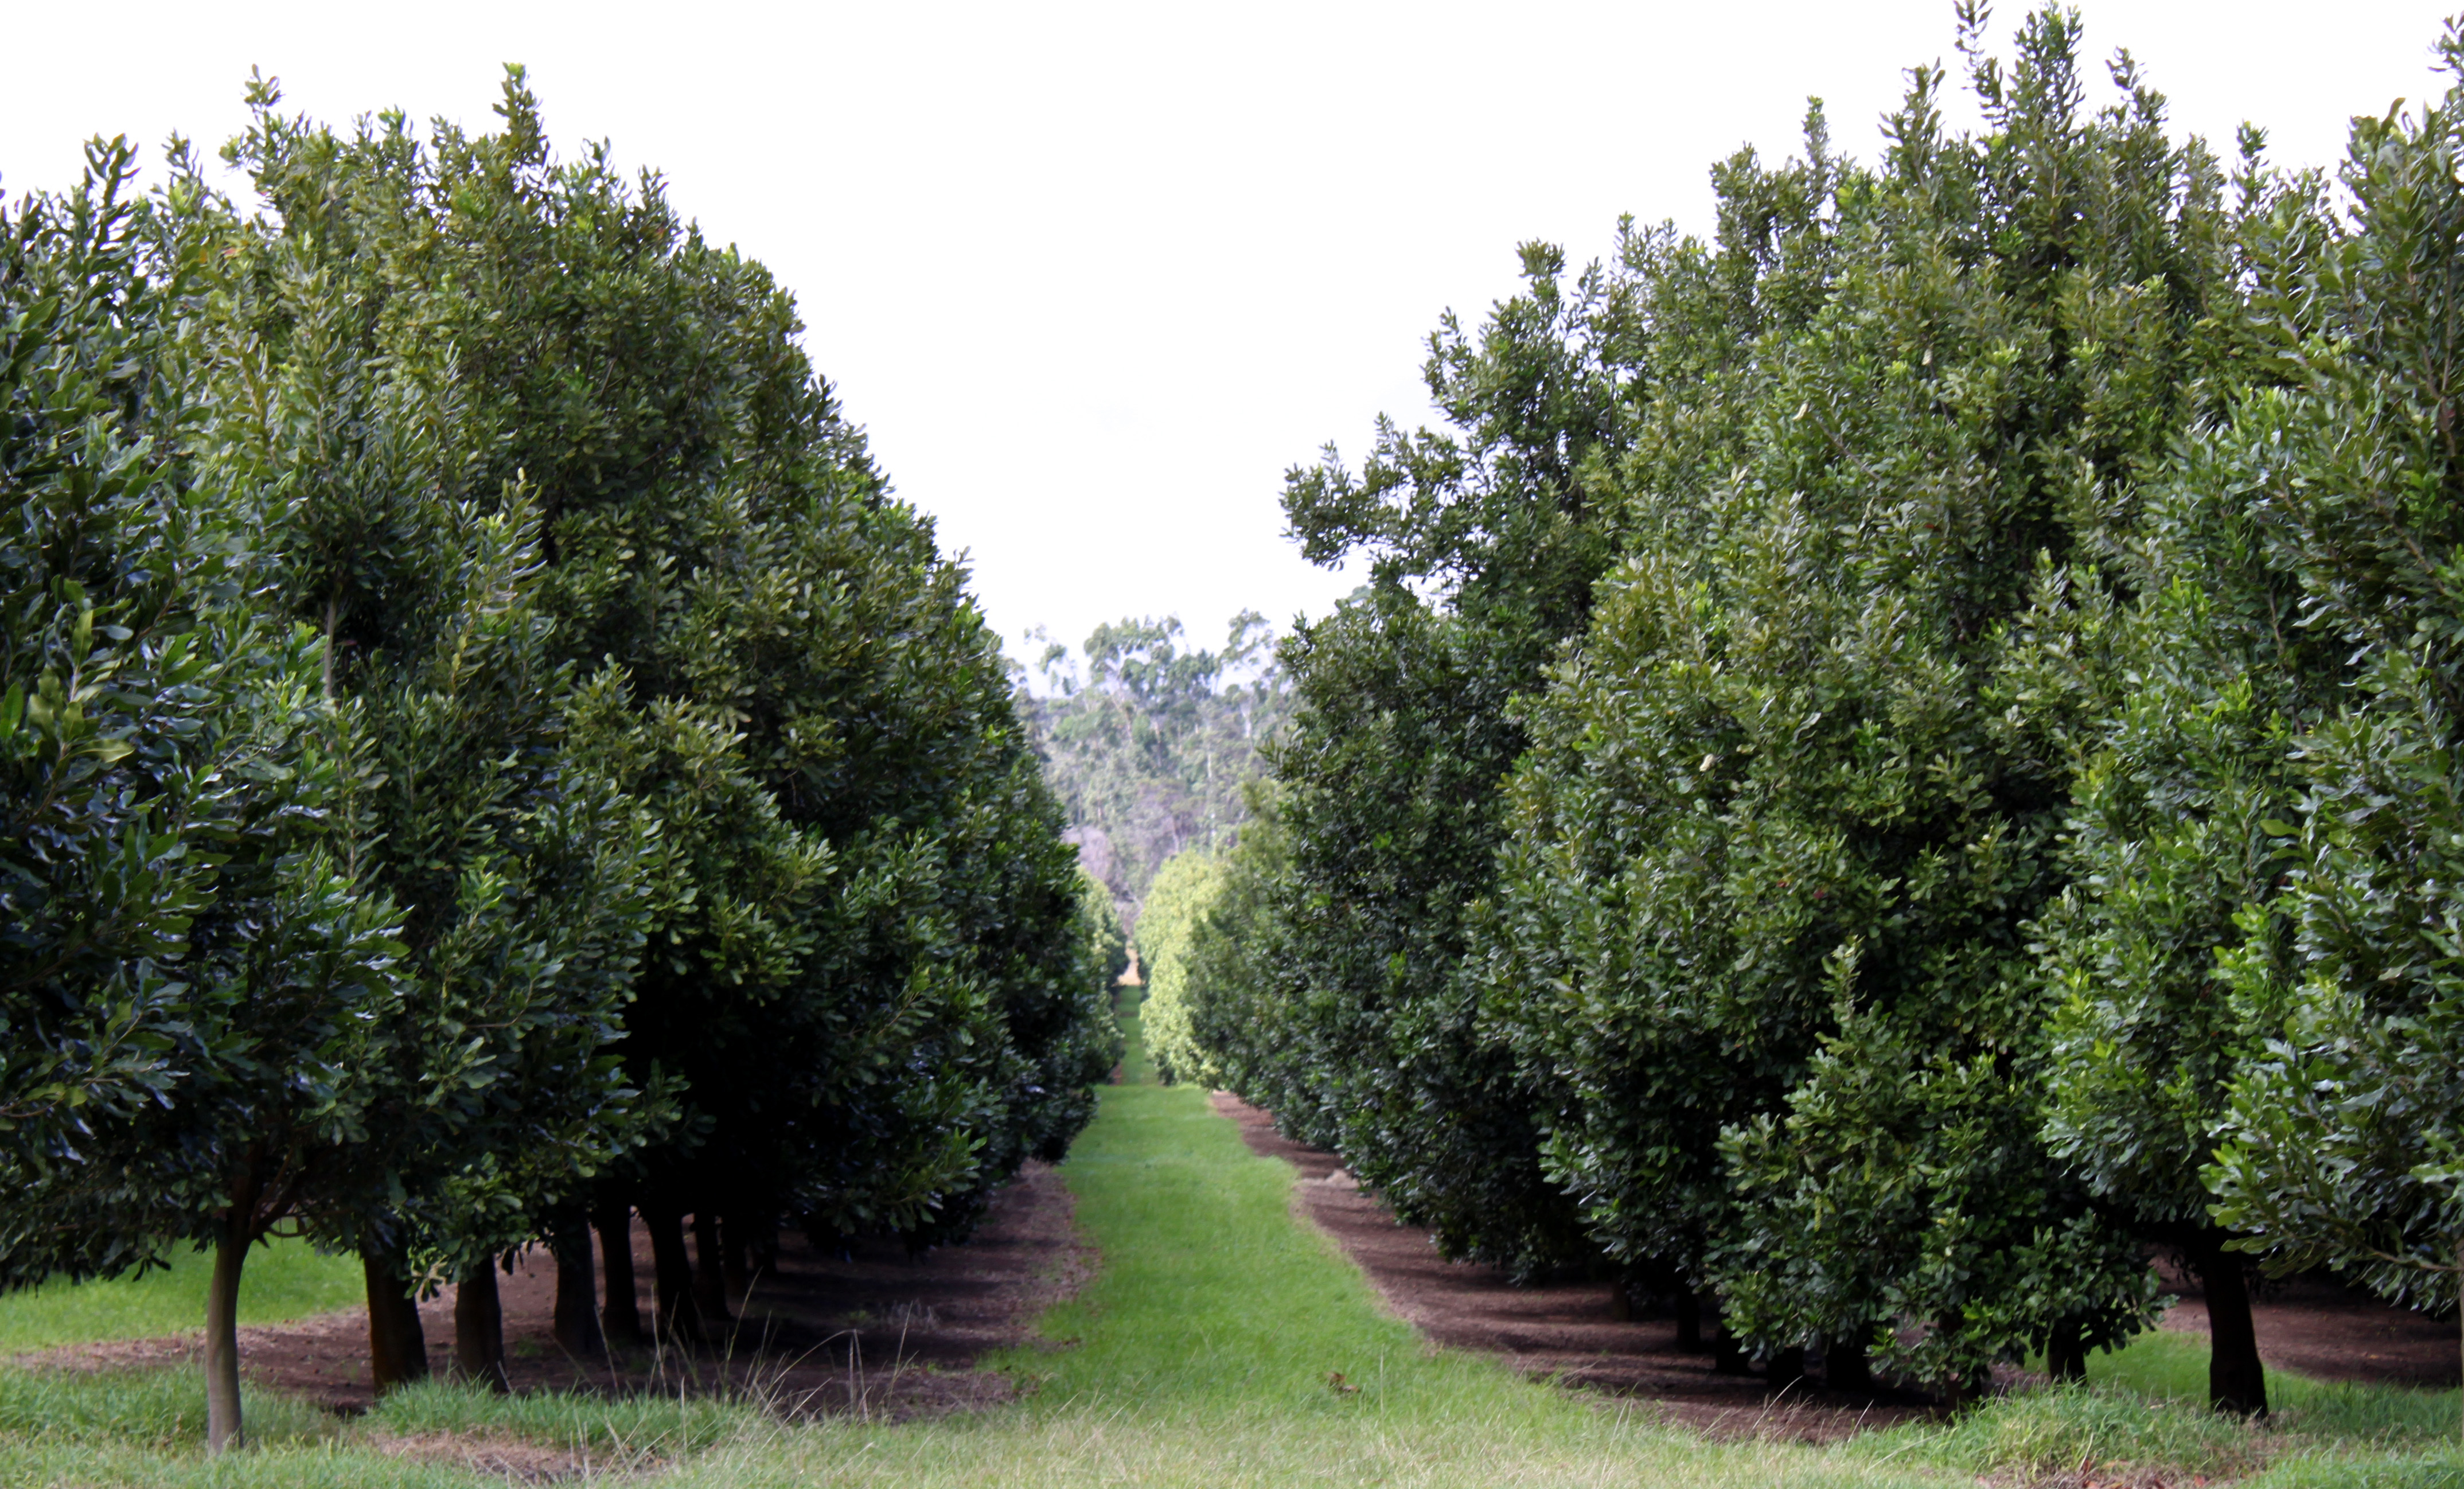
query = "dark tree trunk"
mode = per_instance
[
  {"x": 1689, "y": 1320},
  {"x": 222, "y": 1430},
  {"x": 709, "y": 1271},
  {"x": 671, "y": 1279},
  {"x": 1620, "y": 1303},
  {"x": 1845, "y": 1367},
  {"x": 1787, "y": 1368},
  {"x": 622, "y": 1315},
  {"x": 480, "y": 1328},
  {"x": 1727, "y": 1356},
  {"x": 2236, "y": 1377},
  {"x": 2066, "y": 1353},
  {"x": 397, "y": 1344},
  {"x": 736, "y": 1251},
  {"x": 577, "y": 1294}
]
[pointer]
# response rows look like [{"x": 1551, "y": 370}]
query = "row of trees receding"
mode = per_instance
[
  {"x": 1901, "y": 755},
  {"x": 483, "y": 754}
]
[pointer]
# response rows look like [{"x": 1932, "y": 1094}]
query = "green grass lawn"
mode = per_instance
[
  {"x": 285, "y": 1279},
  {"x": 1201, "y": 1354}
]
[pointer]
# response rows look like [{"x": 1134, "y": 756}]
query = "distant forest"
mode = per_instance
[{"x": 1151, "y": 744}]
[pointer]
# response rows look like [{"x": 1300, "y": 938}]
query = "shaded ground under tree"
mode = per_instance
[{"x": 871, "y": 1328}]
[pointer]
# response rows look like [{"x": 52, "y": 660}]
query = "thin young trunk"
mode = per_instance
[
  {"x": 222, "y": 1335},
  {"x": 1620, "y": 1303},
  {"x": 621, "y": 1317},
  {"x": 397, "y": 1344},
  {"x": 709, "y": 1271},
  {"x": 577, "y": 1291},
  {"x": 2236, "y": 1377},
  {"x": 480, "y": 1328},
  {"x": 333, "y": 617},
  {"x": 672, "y": 1280}
]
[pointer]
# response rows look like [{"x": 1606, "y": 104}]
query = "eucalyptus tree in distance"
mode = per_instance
[{"x": 1150, "y": 748}]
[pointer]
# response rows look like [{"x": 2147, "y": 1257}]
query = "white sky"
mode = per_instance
[{"x": 1094, "y": 275}]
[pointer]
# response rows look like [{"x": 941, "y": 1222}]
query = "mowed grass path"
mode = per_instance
[{"x": 1201, "y": 1354}]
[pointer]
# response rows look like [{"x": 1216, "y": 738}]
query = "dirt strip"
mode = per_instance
[
  {"x": 1565, "y": 1329},
  {"x": 872, "y": 1329}
]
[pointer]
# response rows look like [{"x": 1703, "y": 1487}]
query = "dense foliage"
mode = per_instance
[
  {"x": 541, "y": 769},
  {"x": 2343, "y": 1144},
  {"x": 1894, "y": 758},
  {"x": 1483, "y": 544}
]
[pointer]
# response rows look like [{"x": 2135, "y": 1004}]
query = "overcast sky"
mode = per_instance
[{"x": 1094, "y": 275}]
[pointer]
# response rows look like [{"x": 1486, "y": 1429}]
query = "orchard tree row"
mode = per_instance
[
  {"x": 1905, "y": 754},
  {"x": 483, "y": 754}
]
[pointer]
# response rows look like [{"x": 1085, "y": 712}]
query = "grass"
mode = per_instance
[
  {"x": 284, "y": 1280},
  {"x": 1128, "y": 1001},
  {"x": 1204, "y": 1353}
]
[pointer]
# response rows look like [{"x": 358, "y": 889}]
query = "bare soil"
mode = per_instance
[
  {"x": 872, "y": 1329},
  {"x": 1565, "y": 1330}
]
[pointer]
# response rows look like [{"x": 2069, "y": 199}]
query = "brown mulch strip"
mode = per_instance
[
  {"x": 1564, "y": 1330},
  {"x": 870, "y": 1330},
  {"x": 1558, "y": 1329}
]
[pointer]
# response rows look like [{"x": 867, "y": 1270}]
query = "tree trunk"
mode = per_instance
[
  {"x": 621, "y": 1317},
  {"x": 480, "y": 1328},
  {"x": 1727, "y": 1356},
  {"x": 577, "y": 1294},
  {"x": 1620, "y": 1303},
  {"x": 397, "y": 1344},
  {"x": 1787, "y": 1368},
  {"x": 2236, "y": 1377},
  {"x": 736, "y": 1252},
  {"x": 1689, "y": 1320},
  {"x": 1845, "y": 1367},
  {"x": 222, "y": 1334},
  {"x": 710, "y": 1269},
  {"x": 2066, "y": 1353},
  {"x": 672, "y": 1280}
]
